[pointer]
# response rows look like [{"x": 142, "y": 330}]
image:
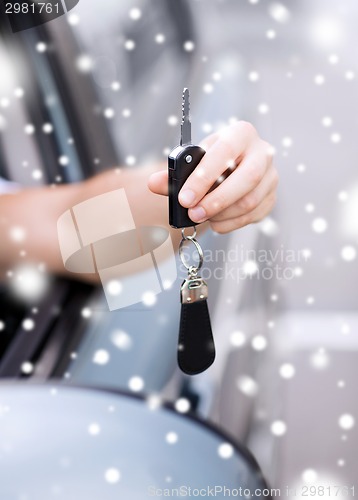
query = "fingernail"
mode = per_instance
[
  {"x": 197, "y": 214},
  {"x": 186, "y": 197}
]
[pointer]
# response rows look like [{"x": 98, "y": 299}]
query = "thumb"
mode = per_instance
[{"x": 158, "y": 182}]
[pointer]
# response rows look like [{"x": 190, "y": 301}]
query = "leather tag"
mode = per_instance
[{"x": 196, "y": 349}]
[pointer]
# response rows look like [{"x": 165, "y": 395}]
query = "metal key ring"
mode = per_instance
[
  {"x": 189, "y": 237},
  {"x": 198, "y": 248}
]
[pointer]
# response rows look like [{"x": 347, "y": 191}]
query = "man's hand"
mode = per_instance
[{"x": 234, "y": 184}]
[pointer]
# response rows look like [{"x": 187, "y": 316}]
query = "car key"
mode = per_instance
[
  {"x": 196, "y": 349},
  {"x": 182, "y": 161}
]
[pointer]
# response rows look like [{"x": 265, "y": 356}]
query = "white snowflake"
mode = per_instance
[
  {"x": 27, "y": 368},
  {"x": 263, "y": 108},
  {"x": 259, "y": 343},
  {"x": 101, "y": 357},
  {"x": 41, "y": 47},
  {"x": 29, "y": 129},
  {"x": 309, "y": 476},
  {"x": 159, "y": 38},
  {"x": 182, "y": 405},
  {"x": 320, "y": 359},
  {"x": 348, "y": 253},
  {"x": 73, "y": 19},
  {"x": 114, "y": 287},
  {"x": 135, "y": 13},
  {"x": 126, "y": 113},
  {"x": 237, "y": 339},
  {"x": 319, "y": 79},
  {"x": 319, "y": 225},
  {"x": 310, "y": 300},
  {"x": 154, "y": 401},
  {"x": 346, "y": 421},
  {"x": 250, "y": 267},
  {"x": 136, "y": 384},
  {"x": 279, "y": 12},
  {"x": 172, "y": 120},
  {"x": 129, "y": 45},
  {"x": 342, "y": 196},
  {"x": 278, "y": 428},
  {"x": 94, "y": 429},
  {"x": 208, "y": 88},
  {"x": 109, "y": 113},
  {"x": 287, "y": 142},
  {"x": 271, "y": 34},
  {"x": 84, "y": 63},
  {"x": 171, "y": 437},
  {"x": 333, "y": 59},
  {"x": 149, "y": 298},
  {"x": 225, "y": 451},
  {"x": 64, "y": 160},
  {"x": 247, "y": 385},
  {"x": 189, "y": 46},
  {"x": 254, "y": 76},
  {"x": 301, "y": 168},
  {"x": 115, "y": 86},
  {"x": 327, "y": 121},
  {"x": 47, "y": 128},
  {"x": 37, "y": 174},
  {"x": 19, "y": 92},
  {"x": 131, "y": 160},
  {"x": 112, "y": 475},
  {"x": 309, "y": 207},
  {"x": 17, "y": 234},
  {"x": 29, "y": 283},
  {"x": 121, "y": 340},
  {"x": 287, "y": 370},
  {"x": 86, "y": 312},
  {"x": 336, "y": 138}
]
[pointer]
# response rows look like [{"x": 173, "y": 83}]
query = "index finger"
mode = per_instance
[{"x": 231, "y": 143}]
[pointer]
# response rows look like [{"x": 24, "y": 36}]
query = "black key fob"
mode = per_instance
[{"x": 181, "y": 163}]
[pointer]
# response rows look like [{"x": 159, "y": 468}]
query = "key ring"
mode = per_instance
[
  {"x": 191, "y": 269},
  {"x": 189, "y": 237}
]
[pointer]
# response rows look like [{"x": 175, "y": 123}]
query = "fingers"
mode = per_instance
[
  {"x": 242, "y": 181},
  {"x": 209, "y": 141},
  {"x": 158, "y": 182},
  {"x": 231, "y": 201},
  {"x": 255, "y": 216},
  {"x": 226, "y": 147},
  {"x": 253, "y": 199}
]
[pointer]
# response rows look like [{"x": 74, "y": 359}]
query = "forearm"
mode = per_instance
[
  {"x": 36, "y": 211},
  {"x": 28, "y": 231}
]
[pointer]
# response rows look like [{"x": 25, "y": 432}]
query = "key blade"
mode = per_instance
[{"x": 185, "y": 123}]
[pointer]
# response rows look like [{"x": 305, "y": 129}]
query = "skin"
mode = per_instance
[{"x": 247, "y": 195}]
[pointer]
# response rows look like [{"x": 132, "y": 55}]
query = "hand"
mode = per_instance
[{"x": 239, "y": 164}]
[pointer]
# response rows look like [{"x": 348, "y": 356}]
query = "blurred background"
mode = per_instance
[{"x": 102, "y": 87}]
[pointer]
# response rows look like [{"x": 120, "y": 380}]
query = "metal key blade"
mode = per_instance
[{"x": 185, "y": 124}]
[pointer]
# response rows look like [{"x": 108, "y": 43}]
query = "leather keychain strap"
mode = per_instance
[{"x": 196, "y": 349}]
